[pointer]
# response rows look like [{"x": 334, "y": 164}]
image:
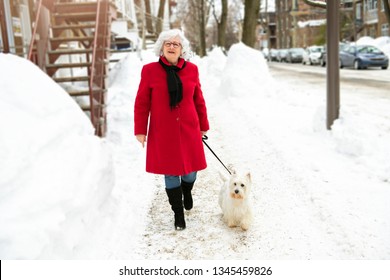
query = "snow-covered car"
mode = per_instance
[{"x": 312, "y": 55}]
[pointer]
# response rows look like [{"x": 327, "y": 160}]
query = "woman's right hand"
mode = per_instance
[{"x": 141, "y": 138}]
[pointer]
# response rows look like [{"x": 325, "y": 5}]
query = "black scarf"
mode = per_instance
[{"x": 175, "y": 87}]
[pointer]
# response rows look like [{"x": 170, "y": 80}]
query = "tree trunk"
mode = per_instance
[
  {"x": 251, "y": 14},
  {"x": 222, "y": 25},
  {"x": 160, "y": 17},
  {"x": 149, "y": 20},
  {"x": 386, "y": 6},
  {"x": 202, "y": 30}
]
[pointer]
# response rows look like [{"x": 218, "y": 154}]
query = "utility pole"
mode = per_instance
[{"x": 332, "y": 64}]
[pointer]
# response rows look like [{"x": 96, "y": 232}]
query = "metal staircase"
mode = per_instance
[{"x": 75, "y": 52}]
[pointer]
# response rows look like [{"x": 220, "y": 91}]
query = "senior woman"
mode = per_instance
[{"x": 170, "y": 115}]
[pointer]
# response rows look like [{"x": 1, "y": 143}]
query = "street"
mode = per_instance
[{"x": 374, "y": 82}]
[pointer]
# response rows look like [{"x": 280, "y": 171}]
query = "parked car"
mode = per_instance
[
  {"x": 295, "y": 55},
  {"x": 323, "y": 56},
  {"x": 312, "y": 55},
  {"x": 281, "y": 55},
  {"x": 272, "y": 55},
  {"x": 363, "y": 56}
]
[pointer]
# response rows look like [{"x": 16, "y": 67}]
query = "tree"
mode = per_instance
[
  {"x": 149, "y": 20},
  {"x": 221, "y": 22},
  {"x": 251, "y": 13},
  {"x": 194, "y": 16},
  {"x": 386, "y": 6},
  {"x": 160, "y": 17}
]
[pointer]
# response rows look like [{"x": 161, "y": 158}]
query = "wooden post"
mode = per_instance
[{"x": 3, "y": 25}]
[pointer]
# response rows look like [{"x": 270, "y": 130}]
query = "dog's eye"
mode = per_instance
[
  {"x": 242, "y": 185},
  {"x": 235, "y": 184}
]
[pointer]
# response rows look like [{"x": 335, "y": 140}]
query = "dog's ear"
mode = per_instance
[
  {"x": 223, "y": 177},
  {"x": 248, "y": 175},
  {"x": 232, "y": 169}
]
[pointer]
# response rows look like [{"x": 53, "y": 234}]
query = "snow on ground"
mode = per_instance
[{"x": 318, "y": 194}]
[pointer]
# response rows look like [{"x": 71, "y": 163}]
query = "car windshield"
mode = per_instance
[
  {"x": 368, "y": 49},
  {"x": 297, "y": 51},
  {"x": 316, "y": 49}
]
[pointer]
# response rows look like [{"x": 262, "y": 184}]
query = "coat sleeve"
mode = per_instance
[
  {"x": 142, "y": 104},
  {"x": 200, "y": 104}
]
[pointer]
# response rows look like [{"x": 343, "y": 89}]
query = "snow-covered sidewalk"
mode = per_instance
[
  {"x": 271, "y": 131},
  {"x": 318, "y": 194}
]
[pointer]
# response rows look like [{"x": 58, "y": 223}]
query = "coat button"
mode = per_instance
[{"x": 177, "y": 118}]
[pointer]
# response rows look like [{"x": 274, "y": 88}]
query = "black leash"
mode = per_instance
[{"x": 204, "y": 138}]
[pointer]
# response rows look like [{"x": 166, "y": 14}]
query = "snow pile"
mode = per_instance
[
  {"x": 383, "y": 43},
  {"x": 245, "y": 74},
  {"x": 54, "y": 173}
]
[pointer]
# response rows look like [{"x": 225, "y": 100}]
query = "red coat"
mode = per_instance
[{"x": 174, "y": 140}]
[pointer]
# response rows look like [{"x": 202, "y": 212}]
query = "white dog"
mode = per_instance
[{"x": 234, "y": 199}]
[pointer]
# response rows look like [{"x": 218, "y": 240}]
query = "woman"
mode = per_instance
[{"x": 170, "y": 115}]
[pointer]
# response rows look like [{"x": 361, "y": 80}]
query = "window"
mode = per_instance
[
  {"x": 385, "y": 30},
  {"x": 372, "y": 4}
]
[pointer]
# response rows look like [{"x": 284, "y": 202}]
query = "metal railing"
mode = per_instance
[{"x": 98, "y": 71}]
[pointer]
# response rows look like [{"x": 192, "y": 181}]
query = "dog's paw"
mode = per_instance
[
  {"x": 231, "y": 224},
  {"x": 244, "y": 227}
]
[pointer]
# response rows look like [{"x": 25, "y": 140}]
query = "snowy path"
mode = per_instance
[
  {"x": 304, "y": 208},
  {"x": 288, "y": 224}
]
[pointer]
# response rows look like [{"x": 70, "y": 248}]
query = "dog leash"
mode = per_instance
[{"x": 204, "y": 138}]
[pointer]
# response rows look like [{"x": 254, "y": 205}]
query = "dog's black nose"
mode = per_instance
[{"x": 236, "y": 191}]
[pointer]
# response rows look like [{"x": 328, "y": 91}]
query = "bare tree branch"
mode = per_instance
[{"x": 315, "y": 3}]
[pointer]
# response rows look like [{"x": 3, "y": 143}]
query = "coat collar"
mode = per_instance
[{"x": 180, "y": 63}]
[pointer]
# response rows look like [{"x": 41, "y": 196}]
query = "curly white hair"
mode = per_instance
[{"x": 169, "y": 34}]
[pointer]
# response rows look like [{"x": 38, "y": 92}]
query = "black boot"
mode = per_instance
[
  {"x": 176, "y": 202},
  {"x": 187, "y": 188}
]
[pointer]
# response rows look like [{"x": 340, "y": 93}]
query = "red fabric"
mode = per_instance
[{"x": 174, "y": 140}]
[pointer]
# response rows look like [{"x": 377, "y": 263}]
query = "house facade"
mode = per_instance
[{"x": 296, "y": 24}]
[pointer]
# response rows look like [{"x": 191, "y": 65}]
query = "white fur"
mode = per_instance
[{"x": 235, "y": 202}]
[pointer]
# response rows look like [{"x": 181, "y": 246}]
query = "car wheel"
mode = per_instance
[
  {"x": 356, "y": 64},
  {"x": 384, "y": 67}
]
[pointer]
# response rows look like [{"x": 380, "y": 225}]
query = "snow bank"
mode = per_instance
[
  {"x": 245, "y": 73},
  {"x": 383, "y": 43},
  {"x": 54, "y": 173}
]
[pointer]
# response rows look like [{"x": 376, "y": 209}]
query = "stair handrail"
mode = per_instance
[
  {"x": 39, "y": 58},
  {"x": 97, "y": 71},
  {"x": 37, "y": 16}
]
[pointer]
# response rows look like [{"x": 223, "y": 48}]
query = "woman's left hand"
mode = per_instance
[{"x": 203, "y": 133}]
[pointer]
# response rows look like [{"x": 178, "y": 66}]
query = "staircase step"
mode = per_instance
[
  {"x": 74, "y": 26},
  {"x": 76, "y": 16},
  {"x": 69, "y": 65},
  {"x": 86, "y": 6},
  {"x": 75, "y": 6},
  {"x": 61, "y": 40},
  {"x": 71, "y": 79},
  {"x": 88, "y": 107},
  {"x": 70, "y": 51},
  {"x": 85, "y": 92}
]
